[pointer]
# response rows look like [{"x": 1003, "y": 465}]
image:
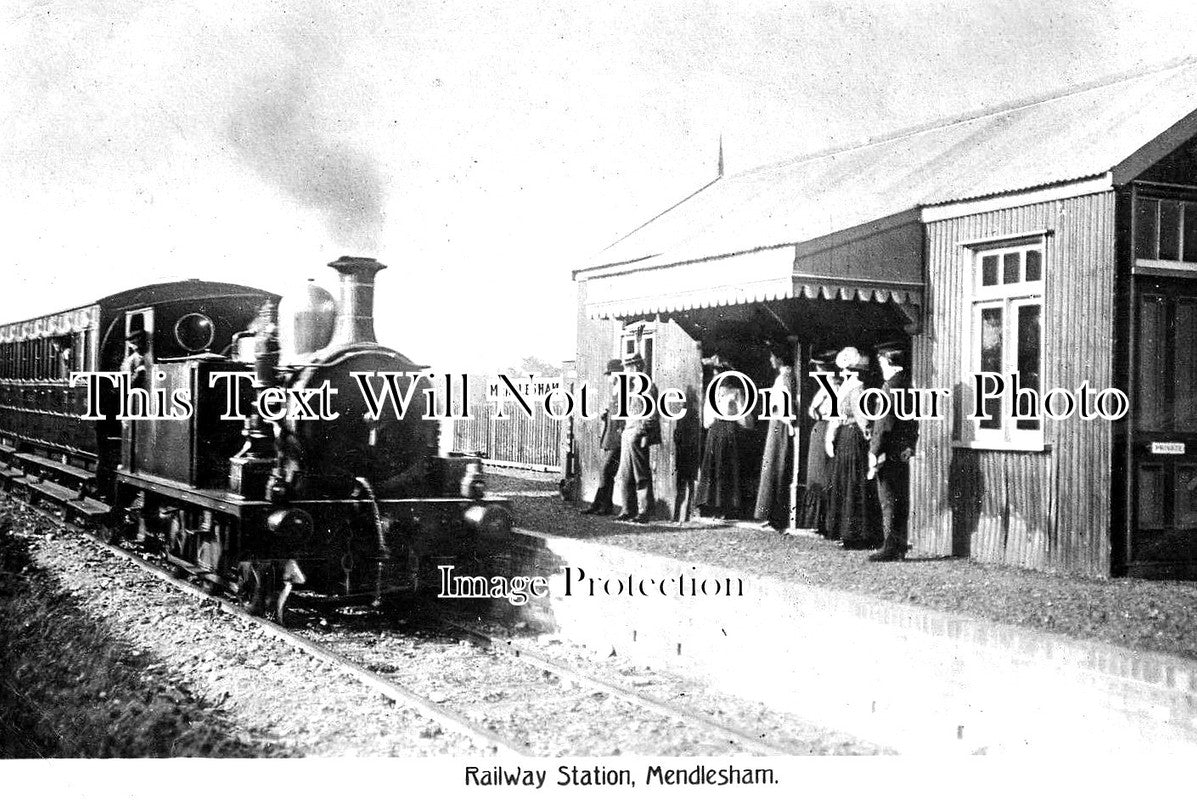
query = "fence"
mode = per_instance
[{"x": 535, "y": 442}]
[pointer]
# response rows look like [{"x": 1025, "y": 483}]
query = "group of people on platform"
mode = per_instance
[
  {"x": 721, "y": 493},
  {"x": 858, "y": 469},
  {"x": 857, "y": 481},
  {"x": 625, "y": 446}
]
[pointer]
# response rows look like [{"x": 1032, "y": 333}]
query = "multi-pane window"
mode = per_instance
[
  {"x": 1165, "y": 230},
  {"x": 638, "y": 338},
  {"x": 1006, "y": 337}
]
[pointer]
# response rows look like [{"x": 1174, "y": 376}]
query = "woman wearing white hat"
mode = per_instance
[{"x": 853, "y": 512}]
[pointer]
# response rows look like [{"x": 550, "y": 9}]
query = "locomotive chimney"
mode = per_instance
[{"x": 355, "y": 311}]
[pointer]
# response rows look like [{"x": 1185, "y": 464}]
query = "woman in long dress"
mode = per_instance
[
  {"x": 773, "y": 492},
  {"x": 818, "y": 463},
  {"x": 853, "y": 511},
  {"x": 719, "y": 489}
]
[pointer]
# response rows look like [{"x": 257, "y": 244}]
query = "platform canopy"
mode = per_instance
[
  {"x": 781, "y": 230},
  {"x": 768, "y": 274}
]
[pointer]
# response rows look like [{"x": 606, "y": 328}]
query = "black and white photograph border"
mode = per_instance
[{"x": 610, "y": 397}]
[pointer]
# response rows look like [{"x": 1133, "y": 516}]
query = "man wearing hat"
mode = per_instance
[
  {"x": 891, "y": 446},
  {"x": 134, "y": 364},
  {"x": 609, "y": 443},
  {"x": 639, "y": 434}
]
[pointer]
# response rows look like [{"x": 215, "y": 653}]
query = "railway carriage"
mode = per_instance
[{"x": 349, "y": 509}]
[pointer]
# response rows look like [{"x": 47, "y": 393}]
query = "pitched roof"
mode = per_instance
[{"x": 1085, "y": 132}]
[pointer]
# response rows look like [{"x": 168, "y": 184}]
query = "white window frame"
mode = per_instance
[
  {"x": 633, "y": 338},
  {"x": 1169, "y": 266},
  {"x": 1009, "y": 297}
]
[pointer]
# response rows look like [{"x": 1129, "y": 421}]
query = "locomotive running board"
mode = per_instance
[{"x": 210, "y": 498}]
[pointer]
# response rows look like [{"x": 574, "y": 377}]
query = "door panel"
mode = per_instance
[{"x": 1164, "y": 424}]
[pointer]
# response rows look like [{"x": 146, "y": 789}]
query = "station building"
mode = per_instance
[{"x": 1054, "y": 237}]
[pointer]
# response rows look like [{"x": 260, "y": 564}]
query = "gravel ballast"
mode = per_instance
[
  {"x": 1151, "y": 615},
  {"x": 101, "y": 659},
  {"x": 549, "y": 715}
]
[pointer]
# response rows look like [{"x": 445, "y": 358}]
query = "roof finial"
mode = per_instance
[{"x": 720, "y": 155}]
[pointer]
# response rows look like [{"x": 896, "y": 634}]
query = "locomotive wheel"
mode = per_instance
[
  {"x": 250, "y": 591},
  {"x": 176, "y": 536}
]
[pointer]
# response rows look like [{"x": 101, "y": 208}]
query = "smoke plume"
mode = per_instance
[{"x": 279, "y": 130}]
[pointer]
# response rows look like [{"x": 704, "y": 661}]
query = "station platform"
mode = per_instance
[{"x": 924, "y": 656}]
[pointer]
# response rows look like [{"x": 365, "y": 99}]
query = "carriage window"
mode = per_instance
[
  {"x": 82, "y": 345},
  {"x": 62, "y": 350},
  {"x": 1005, "y": 335}
]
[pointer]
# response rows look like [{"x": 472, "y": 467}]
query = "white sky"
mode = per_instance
[{"x": 507, "y": 142}]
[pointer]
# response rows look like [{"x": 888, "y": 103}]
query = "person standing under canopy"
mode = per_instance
[
  {"x": 719, "y": 486},
  {"x": 891, "y": 447},
  {"x": 853, "y": 515},
  {"x": 818, "y": 463},
  {"x": 639, "y": 434},
  {"x": 773, "y": 491},
  {"x": 609, "y": 444}
]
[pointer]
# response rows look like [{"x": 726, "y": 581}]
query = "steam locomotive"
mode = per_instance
[{"x": 353, "y": 508}]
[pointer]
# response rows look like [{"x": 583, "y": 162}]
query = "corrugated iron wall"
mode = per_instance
[
  {"x": 1040, "y": 510},
  {"x": 596, "y": 344},
  {"x": 675, "y": 463},
  {"x": 677, "y": 364}
]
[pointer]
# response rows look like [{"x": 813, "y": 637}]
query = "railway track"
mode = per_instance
[
  {"x": 503, "y": 694},
  {"x": 745, "y": 739},
  {"x": 389, "y": 689}
]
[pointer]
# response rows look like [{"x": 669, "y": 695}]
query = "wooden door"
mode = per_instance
[{"x": 1163, "y": 426}]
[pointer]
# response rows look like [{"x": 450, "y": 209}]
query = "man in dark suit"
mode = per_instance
[
  {"x": 609, "y": 444},
  {"x": 891, "y": 446},
  {"x": 635, "y": 471}
]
